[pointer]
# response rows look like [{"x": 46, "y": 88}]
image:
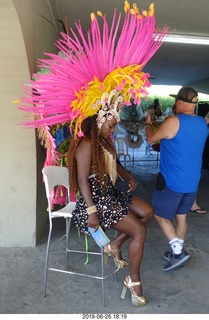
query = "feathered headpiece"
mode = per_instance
[{"x": 96, "y": 73}]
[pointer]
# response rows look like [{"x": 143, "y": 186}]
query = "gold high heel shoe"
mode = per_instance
[
  {"x": 139, "y": 301},
  {"x": 108, "y": 251}
]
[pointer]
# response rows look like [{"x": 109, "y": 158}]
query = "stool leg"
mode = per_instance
[
  {"x": 47, "y": 258},
  {"x": 102, "y": 276}
]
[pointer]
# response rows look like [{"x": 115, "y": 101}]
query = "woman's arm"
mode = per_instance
[
  {"x": 125, "y": 175},
  {"x": 83, "y": 158}
]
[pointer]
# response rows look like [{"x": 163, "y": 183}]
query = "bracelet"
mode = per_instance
[
  {"x": 91, "y": 210},
  {"x": 147, "y": 124}
]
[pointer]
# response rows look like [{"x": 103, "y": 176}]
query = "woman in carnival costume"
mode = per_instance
[{"x": 86, "y": 87}]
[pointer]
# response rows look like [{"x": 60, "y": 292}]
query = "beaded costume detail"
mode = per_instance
[{"x": 112, "y": 204}]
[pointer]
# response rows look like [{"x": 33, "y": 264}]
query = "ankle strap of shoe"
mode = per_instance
[{"x": 130, "y": 284}]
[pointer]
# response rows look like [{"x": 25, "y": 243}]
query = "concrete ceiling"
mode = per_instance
[{"x": 173, "y": 64}]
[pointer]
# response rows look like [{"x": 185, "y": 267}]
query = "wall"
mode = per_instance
[{"x": 24, "y": 35}]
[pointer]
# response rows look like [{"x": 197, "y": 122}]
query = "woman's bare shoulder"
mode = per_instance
[
  {"x": 84, "y": 144},
  {"x": 85, "y": 141}
]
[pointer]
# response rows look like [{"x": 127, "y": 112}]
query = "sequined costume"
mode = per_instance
[{"x": 112, "y": 204}]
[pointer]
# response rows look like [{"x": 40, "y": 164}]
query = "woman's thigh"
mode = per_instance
[
  {"x": 131, "y": 226},
  {"x": 141, "y": 208}
]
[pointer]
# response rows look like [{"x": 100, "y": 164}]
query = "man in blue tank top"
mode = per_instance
[{"x": 182, "y": 138}]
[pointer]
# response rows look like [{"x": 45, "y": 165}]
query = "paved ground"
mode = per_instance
[{"x": 181, "y": 291}]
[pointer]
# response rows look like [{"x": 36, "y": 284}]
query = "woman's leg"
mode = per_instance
[
  {"x": 141, "y": 209},
  {"x": 133, "y": 227},
  {"x": 115, "y": 246}
]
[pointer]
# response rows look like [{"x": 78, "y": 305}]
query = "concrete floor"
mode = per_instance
[{"x": 181, "y": 291}]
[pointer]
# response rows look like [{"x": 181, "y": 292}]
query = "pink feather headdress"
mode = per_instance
[{"x": 108, "y": 58}]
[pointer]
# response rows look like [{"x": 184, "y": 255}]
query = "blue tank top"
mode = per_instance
[{"x": 181, "y": 156}]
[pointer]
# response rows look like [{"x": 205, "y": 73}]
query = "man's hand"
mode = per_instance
[{"x": 148, "y": 118}]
